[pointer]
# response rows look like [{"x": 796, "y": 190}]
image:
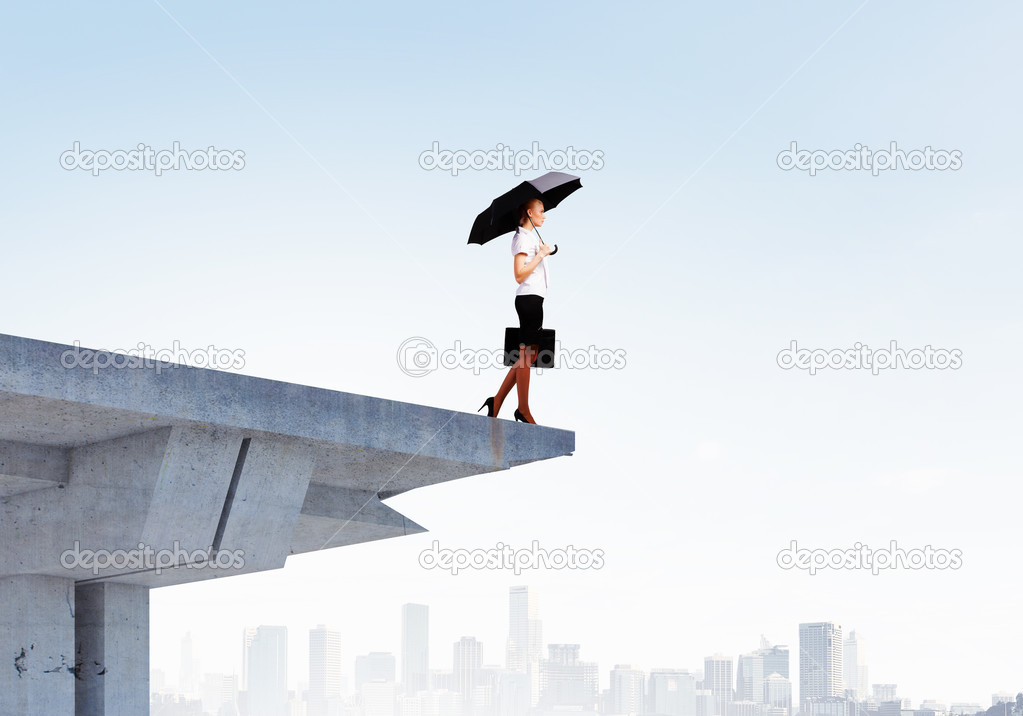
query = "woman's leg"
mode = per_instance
[
  {"x": 526, "y": 357},
  {"x": 530, "y": 311},
  {"x": 512, "y": 377},
  {"x": 506, "y": 386}
]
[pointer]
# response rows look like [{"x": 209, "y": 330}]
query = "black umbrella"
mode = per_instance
[{"x": 503, "y": 214}]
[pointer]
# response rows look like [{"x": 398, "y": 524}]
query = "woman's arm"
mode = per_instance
[{"x": 523, "y": 269}]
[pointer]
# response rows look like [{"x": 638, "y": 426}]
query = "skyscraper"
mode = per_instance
[
  {"x": 855, "y": 666},
  {"x": 717, "y": 678},
  {"x": 325, "y": 674},
  {"x": 627, "y": 690},
  {"x": 268, "y": 671},
  {"x": 248, "y": 634},
  {"x": 749, "y": 677},
  {"x": 188, "y": 674},
  {"x": 415, "y": 648},
  {"x": 525, "y": 641},
  {"x": 820, "y": 662},
  {"x": 467, "y": 661}
]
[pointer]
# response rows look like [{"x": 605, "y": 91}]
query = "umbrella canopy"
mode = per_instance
[{"x": 503, "y": 214}]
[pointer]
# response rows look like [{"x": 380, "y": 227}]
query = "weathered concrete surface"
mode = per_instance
[
  {"x": 119, "y": 479},
  {"x": 112, "y": 649},
  {"x": 37, "y": 645}
]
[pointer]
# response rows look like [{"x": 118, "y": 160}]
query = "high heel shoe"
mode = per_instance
[
  {"x": 520, "y": 416},
  {"x": 489, "y": 405}
]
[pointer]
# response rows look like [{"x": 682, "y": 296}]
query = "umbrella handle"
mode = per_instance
[{"x": 541, "y": 238}]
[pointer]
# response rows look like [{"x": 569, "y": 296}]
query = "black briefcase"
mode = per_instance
[{"x": 544, "y": 359}]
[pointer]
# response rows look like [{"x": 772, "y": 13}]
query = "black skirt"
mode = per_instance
[{"x": 530, "y": 310}]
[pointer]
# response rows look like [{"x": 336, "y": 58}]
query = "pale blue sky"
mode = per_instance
[{"x": 690, "y": 249}]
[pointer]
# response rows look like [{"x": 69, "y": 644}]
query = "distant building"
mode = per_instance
[
  {"x": 964, "y": 708},
  {"x": 892, "y": 708},
  {"x": 776, "y": 660},
  {"x": 513, "y": 698},
  {"x": 326, "y": 680},
  {"x": 820, "y": 663},
  {"x": 671, "y": 692},
  {"x": 268, "y": 672},
  {"x": 885, "y": 692},
  {"x": 777, "y": 695},
  {"x": 379, "y": 698},
  {"x": 753, "y": 668},
  {"x": 745, "y": 708},
  {"x": 468, "y": 662},
  {"x": 706, "y": 703},
  {"x": 567, "y": 681},
  {"x": 855, "y": 666},
  {"x": 374, "y": 666},
  {"x": 415, "y": 648},
  {"x": 442, "y": 680},
  {"x": 627, "y": 690},
  {"x": 248, "y": 634},
  {"x": 188, "y": 672},
  {"x": 717, "y": 678},
  {"x": 829, "y": 706},
  {"x": 217, "y": 690},
  {"x": 749, "y": 677},
  {"x": 525, "y": 637}
]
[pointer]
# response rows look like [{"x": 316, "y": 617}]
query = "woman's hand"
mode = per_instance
[{"x": 545, "y": 250}]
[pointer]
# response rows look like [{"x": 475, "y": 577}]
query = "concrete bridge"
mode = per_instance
[{"x": 117, "y": 477}]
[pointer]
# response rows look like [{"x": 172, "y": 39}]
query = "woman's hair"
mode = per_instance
[{"x": 530, "y": 203}]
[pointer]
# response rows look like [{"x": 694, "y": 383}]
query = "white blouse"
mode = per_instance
[{"x": 525, "y": 241}]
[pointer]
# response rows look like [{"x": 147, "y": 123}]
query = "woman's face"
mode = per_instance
[{"x": 536, "y": 214}]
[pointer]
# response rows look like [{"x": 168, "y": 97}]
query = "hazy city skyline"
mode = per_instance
[{"x": 819, "y": 660}]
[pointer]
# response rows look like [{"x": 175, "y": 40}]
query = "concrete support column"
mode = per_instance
[
  {"x": 37, "y": 645},
  {"x": 111, "y": 636}
]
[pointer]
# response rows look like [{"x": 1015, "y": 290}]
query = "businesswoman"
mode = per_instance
[{"x": 532, "y": 275}]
